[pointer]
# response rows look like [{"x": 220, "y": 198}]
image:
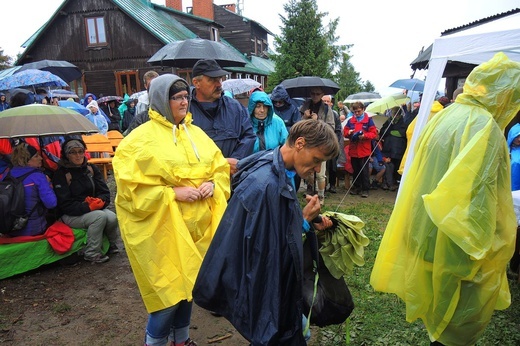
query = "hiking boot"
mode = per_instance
[
  {"x": 99, "y": 258},
  {"x": 355, "y": 192},
  {"x": 375, "y": 185},
  {"x": 385, "y": 186},
  {"x": 332, "y": 189},
  {"x": 113, "y": 249},
  {"x": 364, "y": 194}
]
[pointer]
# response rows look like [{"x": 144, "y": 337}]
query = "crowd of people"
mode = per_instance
[{"x": 208, "y": 210}]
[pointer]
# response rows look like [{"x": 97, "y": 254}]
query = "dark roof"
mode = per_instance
[{"x": 422, "y": 60}]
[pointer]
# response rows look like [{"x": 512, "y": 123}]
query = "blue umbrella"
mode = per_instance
[
  {"x": 31, "y": 78},
  {"x": 408, "y": 84},
  {"x": 74, "y": 106}
]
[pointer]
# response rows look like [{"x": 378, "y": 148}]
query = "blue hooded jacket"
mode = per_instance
[
  {"x": 288, "y": 112},
  {"x": 275, "y": 132},
  {"x": 515, "y": 157}
]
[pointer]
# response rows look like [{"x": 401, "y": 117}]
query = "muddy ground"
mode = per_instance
[{"x": 99, "y": 304}]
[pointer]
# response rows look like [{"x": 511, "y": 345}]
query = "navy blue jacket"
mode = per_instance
[
  {"x": 288, "y": 112},
  {"x": 230, "y": 129},
  {"x": 252, "y": 272}
]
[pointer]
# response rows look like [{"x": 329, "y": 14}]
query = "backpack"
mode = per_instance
[{"x": 12, "y": 203}]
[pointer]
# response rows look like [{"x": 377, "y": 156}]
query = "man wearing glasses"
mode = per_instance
[
  {"x": 314, "y": 108},
  {"x": 223, "y": 119}
]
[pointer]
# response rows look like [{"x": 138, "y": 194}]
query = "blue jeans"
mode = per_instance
[{"x": 172, "y": 324}]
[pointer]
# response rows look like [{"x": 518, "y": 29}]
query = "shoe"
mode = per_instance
[
  {"x": 355, "y": 192},
  {"x": 332, "y": 189},
  {"x": 99, "y": 258},
  {"x": 190, "y": 342},
  {"x": 113, "y": 249},
  {"x": 394, "y": 187},
  {"x": 385, "y": 186},
  {"x": 215, "y": 314},
  {"x": 322, "y": 200},
  {"x": 375, "y": 185},
  {"x": 364, "y": 194}
]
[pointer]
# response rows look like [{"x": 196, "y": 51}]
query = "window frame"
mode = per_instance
[{"x": 97, "y": 20}]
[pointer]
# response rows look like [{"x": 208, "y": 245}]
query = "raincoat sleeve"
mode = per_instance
[{"x": 247, "y": 138}]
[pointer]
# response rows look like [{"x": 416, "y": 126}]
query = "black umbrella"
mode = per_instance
[
  {"x": 301, "y": 86},
  {"x": 186, "y": 53},
  {"x": 63, "y": 69}
]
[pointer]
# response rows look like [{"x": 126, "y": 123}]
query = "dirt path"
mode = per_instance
[{"x": 87, "y": 304}]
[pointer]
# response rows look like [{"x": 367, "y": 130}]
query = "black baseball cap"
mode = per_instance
[{"x": 208, "y": 67}]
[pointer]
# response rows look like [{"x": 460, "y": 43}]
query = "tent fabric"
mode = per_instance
[
  {"x": 473, "y": 46},
  {"x": 17, "y": 258}
]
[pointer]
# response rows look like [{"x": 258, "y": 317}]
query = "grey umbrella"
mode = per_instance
[
  {"x": 186, "y": 53},
  {"x": 362, "y": 97},
  {"x": 63, "y": 69}
]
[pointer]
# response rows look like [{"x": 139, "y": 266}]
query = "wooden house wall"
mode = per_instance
[
  {"x": 65, "y": 39},
  {"x": 200, "y": 28},
  {"x": 235, "y": 31}
]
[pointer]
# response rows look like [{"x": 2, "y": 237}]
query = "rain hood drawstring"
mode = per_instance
[{"x": 174, "y": 131}]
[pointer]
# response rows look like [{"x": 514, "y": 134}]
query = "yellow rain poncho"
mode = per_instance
[
  {"x": 165, "y": 239},
  {"x": 452, "y": 231}
]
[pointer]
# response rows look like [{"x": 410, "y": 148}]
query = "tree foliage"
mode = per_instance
[
  {"x": 306, "y": 47},
  {"x": 5, "y": 60}
]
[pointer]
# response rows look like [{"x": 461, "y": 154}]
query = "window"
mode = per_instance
[
  {"x": 96, "y": 34},
  {"x": 248, "y": 75},
  {"x": 127, "y": 82},
  {"x": 214, "y": 34}
]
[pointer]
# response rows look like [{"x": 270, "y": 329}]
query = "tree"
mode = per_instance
[
  {"x": 5, "y": 60},
  {"x": 305, "y": 47},
  {"x": 347, "y": 77}
]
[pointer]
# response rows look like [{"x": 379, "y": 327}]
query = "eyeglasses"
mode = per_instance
[
  {"x": 181, "y": 98},
  {"x": 77, "y": 152}
]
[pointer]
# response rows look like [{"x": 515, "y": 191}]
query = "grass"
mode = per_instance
[{"x": 379, "y": 318}]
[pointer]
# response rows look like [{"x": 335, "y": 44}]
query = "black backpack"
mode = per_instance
[{"x": 12, "y": 203}]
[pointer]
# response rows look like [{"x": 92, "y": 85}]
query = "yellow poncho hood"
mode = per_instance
[
  {"x": 452, "y": 231},
  {"x": 165, "y": 239}
]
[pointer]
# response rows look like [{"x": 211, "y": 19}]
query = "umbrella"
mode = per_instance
[
  {"x": 61, "y": 93},
  {"x": 74, "y": 106},
  {"x": 63, "y": 69},
  {"x": 381, "y": 105},
  {"x": 42, "y": 120},
  {"x": 301, "y": 86},
  {"x": 31, "y": 78},
  {"x": 378, "y": 120},
  {"x": 186, "y": 53},
  {"x": 239, "y": 86},
  {"x": 136, "y": 95},
  {"x": 408, "y": 84},
  {"x": 109, "y": 98},
  {"x": 362, "y": 97}
]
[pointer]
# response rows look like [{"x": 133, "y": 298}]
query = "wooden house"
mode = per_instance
[{"x": 112, "y": 40}]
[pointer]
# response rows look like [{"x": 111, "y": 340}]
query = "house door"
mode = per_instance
[{"x": 127, "y": 82}]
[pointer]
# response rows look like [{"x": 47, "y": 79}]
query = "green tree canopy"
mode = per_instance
[{"x": 5, "y": 60}]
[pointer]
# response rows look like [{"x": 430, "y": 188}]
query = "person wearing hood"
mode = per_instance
[
  {"x": 129, "y": 114},
  {"x": 452, "y": 231},
  {"x": 252, "y": 273},
  {"x": 269, "y": 127},
  {"x": 284, "y": 107},
  {"x": 172, "y": 187},
  {"x": 83, "y": 198},
  {"x": 3, "y": 102},
  {"x": 110, "y": 108},
  {"x": 39, "y": 195},
  {"x": 96, "y": 117},
  {"x": 513, "y": 142}
]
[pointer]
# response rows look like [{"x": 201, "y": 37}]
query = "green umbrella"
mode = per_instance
[
  {"x": 43, "y": 120},
  {"x": 381, "y": 105}
]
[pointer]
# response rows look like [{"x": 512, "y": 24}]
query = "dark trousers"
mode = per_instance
[
  {"x": 361, "y": 177},
  {"x": 332, "y": 168}
]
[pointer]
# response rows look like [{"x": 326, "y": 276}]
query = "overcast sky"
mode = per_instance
[{"x": 387, "y": 34}]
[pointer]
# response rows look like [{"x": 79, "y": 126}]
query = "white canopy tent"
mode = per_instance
[{"x": 474, "y": 46}]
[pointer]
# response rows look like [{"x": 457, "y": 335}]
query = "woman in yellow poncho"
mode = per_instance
[
  {"x": 172, "y": 187},
  {"x": 452, "y": 231}
]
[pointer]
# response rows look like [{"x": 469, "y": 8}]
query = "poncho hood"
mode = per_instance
[{"x": 159, "y": 94}]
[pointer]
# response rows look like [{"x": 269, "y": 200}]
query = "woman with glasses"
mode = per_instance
[
  {"x": 172, "y": 187},
  {"x": 83, "y": 198}
]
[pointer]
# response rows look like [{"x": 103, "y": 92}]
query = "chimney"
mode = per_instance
[
  {"x": 203, "y": 8},
  {"x": 175, "y": 4},
  {"x": 230, "y": 7}
]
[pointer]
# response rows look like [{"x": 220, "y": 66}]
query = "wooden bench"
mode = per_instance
[
  {"x": 115, "y": 137},
  {"x": 100, "y": 150}
]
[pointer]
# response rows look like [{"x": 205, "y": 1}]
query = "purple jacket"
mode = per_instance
[{"x": 37, "y": 190}]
